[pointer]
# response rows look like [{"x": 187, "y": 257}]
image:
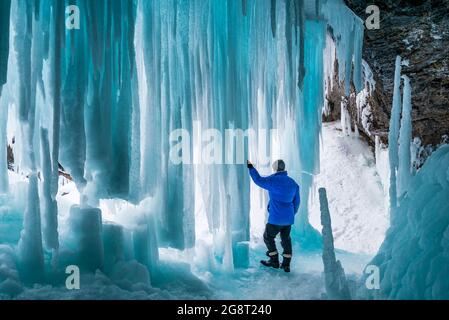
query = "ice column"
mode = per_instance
[
  {"x": 5, "y": 7},
  {"x": 152, "y": 109},
  {"x": 111, "y": 89},
  {"x": 4, "y": 181},
  {"x": 348, "y": 32},
  {"x": 358, "y": 48},
  {"x": 29, "y": 66},
  {"x": 30, "y": 244},
  {"x": 56, "y": 43},
  {"x": 145, "y": 243},
  {"x": 72, "y": 151},
  {"x": 393, "y": 136},
  {"x": 166, "y": 30},
  {"x": 405, "y": 139},
  {"x": 50, "y": 207},
  {"x": 334, "y": 274},
  {"x": 235, "y": 110},
  {"x": 309, "y": 123},
  {"x": 86, "y": 227},
  {"x": 113, "y": 244}
]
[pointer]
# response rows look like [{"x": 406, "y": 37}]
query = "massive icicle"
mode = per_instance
[
  {"x": 309, "y": 122},
  {"x": 57, "y": 32},
  {"x": 4, "y": 181},
  {"x": 5, "y": 7},
  {"x": 393, "y": 137},
  {"x": 405, "y": 140},
  {"x": 347, "y": 31},
  {"x": 50, "y": 207},
  {"x": 30, "y": 244},
  {"x": 72, "y": 151}
]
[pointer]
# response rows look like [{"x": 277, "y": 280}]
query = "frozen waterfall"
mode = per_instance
[{"x": 99, "y": 107}]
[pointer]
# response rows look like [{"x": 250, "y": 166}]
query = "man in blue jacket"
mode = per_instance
[{"x": 282, "y": 208}]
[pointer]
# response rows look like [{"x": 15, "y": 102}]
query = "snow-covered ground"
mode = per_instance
[
  {"x": 357, "y": 200},
  {"x": 179, "y": 280}
]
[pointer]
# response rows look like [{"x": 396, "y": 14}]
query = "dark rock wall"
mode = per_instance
[{"x": 418, "y": 31}]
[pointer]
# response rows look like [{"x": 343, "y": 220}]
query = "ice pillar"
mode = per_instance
[
  {"x": 57, "y": 34},
  {"x": 393, "y": 136},
  {"x": 405, "y": 139},
  {"x": 309, "y": 124},
  {"x": 145, "y": 242},
  {"x": 29, "y": 58},
  {"x": 113, "y": 244},
  {"x": 168, "y": 70},
  {"x": 50, "y": 207},
  {"x": 72, "y": 153},
  {"x": 5, "y": 7},
  {"x": 30, "y": 244},
  {"x": 4, "y": 181},
  {"x": 334, "y": 275},
  {"x": 86, "y": 227}
]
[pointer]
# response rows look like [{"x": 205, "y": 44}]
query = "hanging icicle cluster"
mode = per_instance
[{"x": 99, "y": 104}]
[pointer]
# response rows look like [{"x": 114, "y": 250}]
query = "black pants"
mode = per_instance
[{"x": 271, "y": 231}]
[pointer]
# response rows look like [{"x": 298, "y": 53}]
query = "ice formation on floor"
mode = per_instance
[{"x": 334, "y": 275}]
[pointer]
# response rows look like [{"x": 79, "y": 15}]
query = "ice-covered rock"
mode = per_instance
[{"x": 417, "y": 32}]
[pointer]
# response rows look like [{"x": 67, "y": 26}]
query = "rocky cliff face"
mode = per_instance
[{"x": 418, "y": 31}]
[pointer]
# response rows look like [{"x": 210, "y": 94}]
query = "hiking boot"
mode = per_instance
[
  {"x": 273, "y": 262},
  {"x": 286, "y": 264}
]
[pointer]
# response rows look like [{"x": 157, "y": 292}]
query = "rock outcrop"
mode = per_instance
[{"x": 418, "y": 31}]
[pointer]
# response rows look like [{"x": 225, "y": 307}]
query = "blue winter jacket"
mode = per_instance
[{"x": 284, "y": 196}]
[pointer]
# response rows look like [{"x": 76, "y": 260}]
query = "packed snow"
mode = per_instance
[{"x": 356, "y": 195}]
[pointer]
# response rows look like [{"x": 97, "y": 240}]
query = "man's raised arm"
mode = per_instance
[{"x": 262, "y": 182}]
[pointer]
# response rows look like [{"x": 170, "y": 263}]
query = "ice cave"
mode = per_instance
[{"x": 97, "y": 99}]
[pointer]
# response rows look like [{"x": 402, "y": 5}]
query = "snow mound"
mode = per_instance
[
  {"x": 414, "y": 257},
  {"x": 356, "y": 197}
]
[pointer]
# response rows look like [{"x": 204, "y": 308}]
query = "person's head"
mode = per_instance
[{"x": 278, "y": 166}]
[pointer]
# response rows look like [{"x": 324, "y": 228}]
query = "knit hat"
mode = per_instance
[{"x": 279, "y": 165}]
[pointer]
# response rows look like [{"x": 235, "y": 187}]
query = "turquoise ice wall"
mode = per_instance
[{"x": 100, "y": 102}]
